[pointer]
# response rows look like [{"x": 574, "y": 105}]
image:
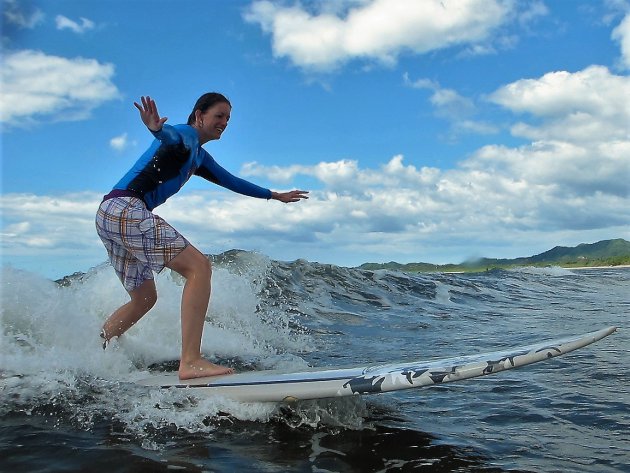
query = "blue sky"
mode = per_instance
[{"x": 425, "y": 130}]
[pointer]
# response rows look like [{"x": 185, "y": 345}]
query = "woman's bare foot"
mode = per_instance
[{"x": 201, "y": 368}]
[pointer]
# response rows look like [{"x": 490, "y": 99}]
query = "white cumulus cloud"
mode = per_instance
[
  {"x": 573, "y": 177},
  {"x": 38, "y": 86},
  {"x": 65, "y": 23},
  {"x": 588, "y": 105},
  {"x": 14, "y": 13},
  {"x": 460, "y": 111},
  {"x": 376, "y": 30},
  {"x": 120, "y": 142},
  {"x": 622, "y": 34},
  {"x": 58, "y": 223}
]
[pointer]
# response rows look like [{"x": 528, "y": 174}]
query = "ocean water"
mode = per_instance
[{"x": 68, "y": 406}]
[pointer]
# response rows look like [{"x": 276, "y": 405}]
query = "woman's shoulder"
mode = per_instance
[
  {"x": 188, "y": 133},
  {"x": 184, "y": 129}
]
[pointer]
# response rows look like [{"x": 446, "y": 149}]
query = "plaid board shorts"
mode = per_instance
[{"x": 137, "y": 241}]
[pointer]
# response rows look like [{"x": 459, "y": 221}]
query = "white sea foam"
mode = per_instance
[{"x": 51, "y": 354}]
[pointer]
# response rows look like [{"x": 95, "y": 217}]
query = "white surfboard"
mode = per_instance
[{"x": 278, "y": 385}]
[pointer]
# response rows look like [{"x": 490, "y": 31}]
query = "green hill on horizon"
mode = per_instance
[{"x": 603, "y": 253}]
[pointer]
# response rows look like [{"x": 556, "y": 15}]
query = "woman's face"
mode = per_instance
[{"x": 213, "y": 122}]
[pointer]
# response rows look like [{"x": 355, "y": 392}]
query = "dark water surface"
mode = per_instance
[{"x": 65, "y": 405}]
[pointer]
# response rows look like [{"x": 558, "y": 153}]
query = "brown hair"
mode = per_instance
[{"x": 205, "y": 102}]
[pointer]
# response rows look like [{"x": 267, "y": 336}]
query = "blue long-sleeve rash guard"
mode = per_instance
[{"x": 171, "y": 160}]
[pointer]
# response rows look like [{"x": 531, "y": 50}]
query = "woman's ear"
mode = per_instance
[{"x": 198, "y": 119}]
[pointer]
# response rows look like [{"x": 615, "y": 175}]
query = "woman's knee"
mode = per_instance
[
  {"x": 191, "y": 263},
  {"x": 202, "y": 268},
  {"x": 145, "y": 296},
  {"x": 206, "y": 266},
  {"x": 150, "y": 300}
]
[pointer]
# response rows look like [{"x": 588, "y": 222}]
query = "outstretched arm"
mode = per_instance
[
  {"x": 149, "y": 114},
  {"x": 211, "y": 171},
  {"x": 291, "y": 196}
]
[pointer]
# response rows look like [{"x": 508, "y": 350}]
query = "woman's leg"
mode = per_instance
[
  {"x": 142, "y": 299},
  {"x": 195, "y": 267}
]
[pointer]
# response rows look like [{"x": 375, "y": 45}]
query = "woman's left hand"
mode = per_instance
[
  {"x": 149, "y": 114},
  {"x": 291, "y": 196}
]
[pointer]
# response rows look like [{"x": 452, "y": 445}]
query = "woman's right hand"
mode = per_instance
[
  {"x": 149, "y": 114},
  {"x": 291, "y": 196}
]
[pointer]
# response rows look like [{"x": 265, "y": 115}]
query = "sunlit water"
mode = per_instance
[{"x": 67, "y": 405}]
